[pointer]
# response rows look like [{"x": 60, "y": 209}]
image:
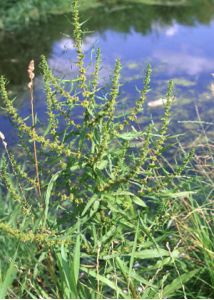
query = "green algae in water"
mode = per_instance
[
  {"x": 183, "y": 82},
  {"x": 132, "y": 66}
]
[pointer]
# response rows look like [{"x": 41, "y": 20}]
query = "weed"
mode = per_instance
[{"x": 90, "y": 222}]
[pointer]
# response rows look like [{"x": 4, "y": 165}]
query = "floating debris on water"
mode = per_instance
[{"x": 156, "y": 103}]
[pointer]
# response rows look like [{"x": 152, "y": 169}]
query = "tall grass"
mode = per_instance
[{"x": 109, "y": 218}]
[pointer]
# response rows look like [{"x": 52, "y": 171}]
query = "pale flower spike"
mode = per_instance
[{"x": 31, "y": 74}]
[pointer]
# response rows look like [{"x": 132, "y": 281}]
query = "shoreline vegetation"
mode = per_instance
[
  {"x": 21, "y": 14},
  {"x": 91, "y": 207}
]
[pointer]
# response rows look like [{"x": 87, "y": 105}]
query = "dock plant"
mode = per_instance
[{"x": 89, "y": 206}]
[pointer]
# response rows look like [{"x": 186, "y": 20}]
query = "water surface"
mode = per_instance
[{"x": 176, "y": 40}]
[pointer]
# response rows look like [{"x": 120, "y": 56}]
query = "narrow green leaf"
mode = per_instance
[
  {"x": 8, "y": 280},
  {"x": 108, "y": 235},
  {"x": 136, "y": 199},
  {"x": 130, "y": 135},
  {"x": 179, "y": 194},
  {"x": 48, "y": 195},
  {"x": 151, "y": 253},
  {"x": 134, "y": 247},
  {"x": 105, "y": 281},
  {"x": 88, "y": 205},
  {"x": 177, "y": 283},
  {"x": 76, "y": 258},
  {"x": 139, "y": 202},
  {"x": 124, "y": 269}
]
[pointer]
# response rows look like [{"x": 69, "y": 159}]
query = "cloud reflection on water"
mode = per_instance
[
  {"x": 62, "y": 59},
  {"x": 184, "y": 62}
]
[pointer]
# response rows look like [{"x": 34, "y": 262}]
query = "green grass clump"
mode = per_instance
[{"x": 106, "y": 219}]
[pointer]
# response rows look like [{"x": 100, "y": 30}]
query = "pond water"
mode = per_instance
[{"x": 176, "y": 40}]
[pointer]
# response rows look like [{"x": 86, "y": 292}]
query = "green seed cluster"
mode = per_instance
[
  {"x": 49, "y": 239},
  {"x": 139, "y": 104},
  {"x": 54, "y": 146},
  {"x": 11, "y": 188},
  {"x": 165, "y": 123}
]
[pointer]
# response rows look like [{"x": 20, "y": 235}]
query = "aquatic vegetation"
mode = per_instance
[
  {"x": 16, "y": 15},
  {"x": 96, "y": 210}
]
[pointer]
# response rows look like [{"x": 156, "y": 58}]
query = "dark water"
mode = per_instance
[{"x": 178, "y": 41}]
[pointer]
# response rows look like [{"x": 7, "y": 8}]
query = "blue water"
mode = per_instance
[{"x": 184, "y": 53}]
